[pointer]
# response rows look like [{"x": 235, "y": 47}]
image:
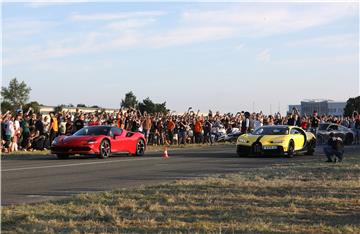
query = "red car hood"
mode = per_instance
[{"x": 77, "y": 139}]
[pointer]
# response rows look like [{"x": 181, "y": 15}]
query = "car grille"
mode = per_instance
[
  {"x": 69, "y": 149},
  {"x": 257, "y": 148}
]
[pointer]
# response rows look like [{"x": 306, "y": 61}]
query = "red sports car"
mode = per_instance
[{"x": 99, "y": 140}]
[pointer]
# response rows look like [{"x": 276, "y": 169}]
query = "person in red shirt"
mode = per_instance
[
  {"x": 94, "y": 121},
  {"x": 170, "y": 129},
  {"x": 198, "y": 130},
  {"x": 304, "y": 123}
]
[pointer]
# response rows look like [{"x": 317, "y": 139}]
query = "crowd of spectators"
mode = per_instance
[{"x": 32, "y": 131}]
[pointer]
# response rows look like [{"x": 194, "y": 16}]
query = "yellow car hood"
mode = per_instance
[{"x": 262, "y": 138}]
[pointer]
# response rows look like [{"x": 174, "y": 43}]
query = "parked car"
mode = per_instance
[{"x": 346, "y": 134}]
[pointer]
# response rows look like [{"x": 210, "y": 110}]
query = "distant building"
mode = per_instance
[
  {"x": 297, "y": 107},
  {"x": 323, "y": 107}
]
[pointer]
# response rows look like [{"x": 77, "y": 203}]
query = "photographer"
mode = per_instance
[{"x": 335, "y": 147}]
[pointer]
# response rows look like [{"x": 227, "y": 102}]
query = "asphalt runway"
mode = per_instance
[{"x": 28, "y": 179}]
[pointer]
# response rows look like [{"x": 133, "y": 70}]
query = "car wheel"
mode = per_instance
[
  {"x": 105, "y": 149},
  {"x": 140, "y": 147},
  {"x": 349, "y": 138},
  {"x": 62, "y": 156},
  {"x": 241, "y": 153},
  {"x": 311, "y": 148},
  {"x": 291, "y": 149}
]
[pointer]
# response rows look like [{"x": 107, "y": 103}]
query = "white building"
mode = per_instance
[{"x": 323, "y": 107}]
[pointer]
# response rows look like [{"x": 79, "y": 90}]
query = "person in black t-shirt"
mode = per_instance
[
  {"x": 207, "y": 130},
  {"x": 182, "y": 131},
  {"x": 315, "y": 120},
  {"x": 69, "y": 127},
  {"x": 79, "y": 123},
  {"x": 39, "y": 125}
]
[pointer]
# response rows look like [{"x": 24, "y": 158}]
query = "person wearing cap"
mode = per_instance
[{"x": 334, "y": 147}]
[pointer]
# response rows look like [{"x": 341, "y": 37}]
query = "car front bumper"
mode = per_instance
[
  {"x": 72, "y": 149},
  {"x": 259, "y": 150}
]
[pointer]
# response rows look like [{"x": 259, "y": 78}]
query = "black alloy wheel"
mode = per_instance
[
  {"x": 140, "y": 147},
  {"x": 105, "y": 149},
  {"x": 291, "y": 149},
  {"x": 311, "y": 147}
]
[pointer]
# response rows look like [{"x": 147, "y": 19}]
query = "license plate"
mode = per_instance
[{"x": 269, "y": 147}]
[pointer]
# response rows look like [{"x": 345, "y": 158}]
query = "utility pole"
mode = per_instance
[{"x": 253, "y": 107}]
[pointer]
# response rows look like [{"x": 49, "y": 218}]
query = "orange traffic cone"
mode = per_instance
[{"x": 165, "y": 155}]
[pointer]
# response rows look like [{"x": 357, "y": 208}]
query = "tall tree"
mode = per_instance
[
  {"x": 150, "y": 107},
  {"x": 35, "y": 106},
  {"x": 17, "y": 93},
  {"x": 352, "y": 104},
  {"x": 129, "y": 101}
]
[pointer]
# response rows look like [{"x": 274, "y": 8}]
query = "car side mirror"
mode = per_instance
[{"x": 116, "y": 135}]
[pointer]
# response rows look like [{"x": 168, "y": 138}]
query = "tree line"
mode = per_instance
[{"x": 17, "y": 94}]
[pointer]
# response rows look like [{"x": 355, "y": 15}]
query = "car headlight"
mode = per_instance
[
  {"x": 90, "y": 141},
  {"x": 242, "y": 140},
  {"x": 55, "y": 141},
  {"x": 277, "y": 141}
]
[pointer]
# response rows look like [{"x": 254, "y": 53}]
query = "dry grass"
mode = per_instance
[{"x": 306, "y": 198}]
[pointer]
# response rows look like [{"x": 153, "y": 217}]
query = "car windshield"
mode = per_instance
[
  {"x": 323, "y": 127},
  {"x": 93, "y": 131},
  {"x": 271, "y": 131}
]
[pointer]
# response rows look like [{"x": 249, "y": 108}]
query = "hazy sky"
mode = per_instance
[{"x": 219, "y": 56}]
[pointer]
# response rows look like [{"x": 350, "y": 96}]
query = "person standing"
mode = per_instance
[
  {"x": 207, "y": 131},
  {"x": 10, "y": 133},
  {"x": 54, "y": 127},
  {"x": 46, "y": 125},
  {"x": 146, "y": 124},
  {"x": 182, "y": 131},
  {"x": 315, "y": 120},
  {"x": 257, "y": 122},
  {"x": 79, "y": 123},
  {"x": 25, "y": 132},
  {"x": 170, "y": 130},
  {"x": 198, "y": 130},
  {"x": 245, "y": 124}
]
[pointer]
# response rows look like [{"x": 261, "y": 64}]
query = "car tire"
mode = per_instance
[
  {"x": 311, "y": 147},
  {"x": 291, "y": 149},
  {"x": 349, "y": 138},
  {"x": 62, "y": 156},
  {"x": 241, "y": 154},
  {"x": 140, "y": 147},
  {"x": 105, "y": 149}
]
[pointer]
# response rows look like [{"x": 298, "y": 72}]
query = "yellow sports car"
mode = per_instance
[{"x": 276, "y": 140}]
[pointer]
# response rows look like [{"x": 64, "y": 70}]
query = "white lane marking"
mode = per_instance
[{"x": 76, "y": 164}]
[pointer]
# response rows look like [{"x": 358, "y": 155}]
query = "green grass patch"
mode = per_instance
[{"x": 311, "y": 197}]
